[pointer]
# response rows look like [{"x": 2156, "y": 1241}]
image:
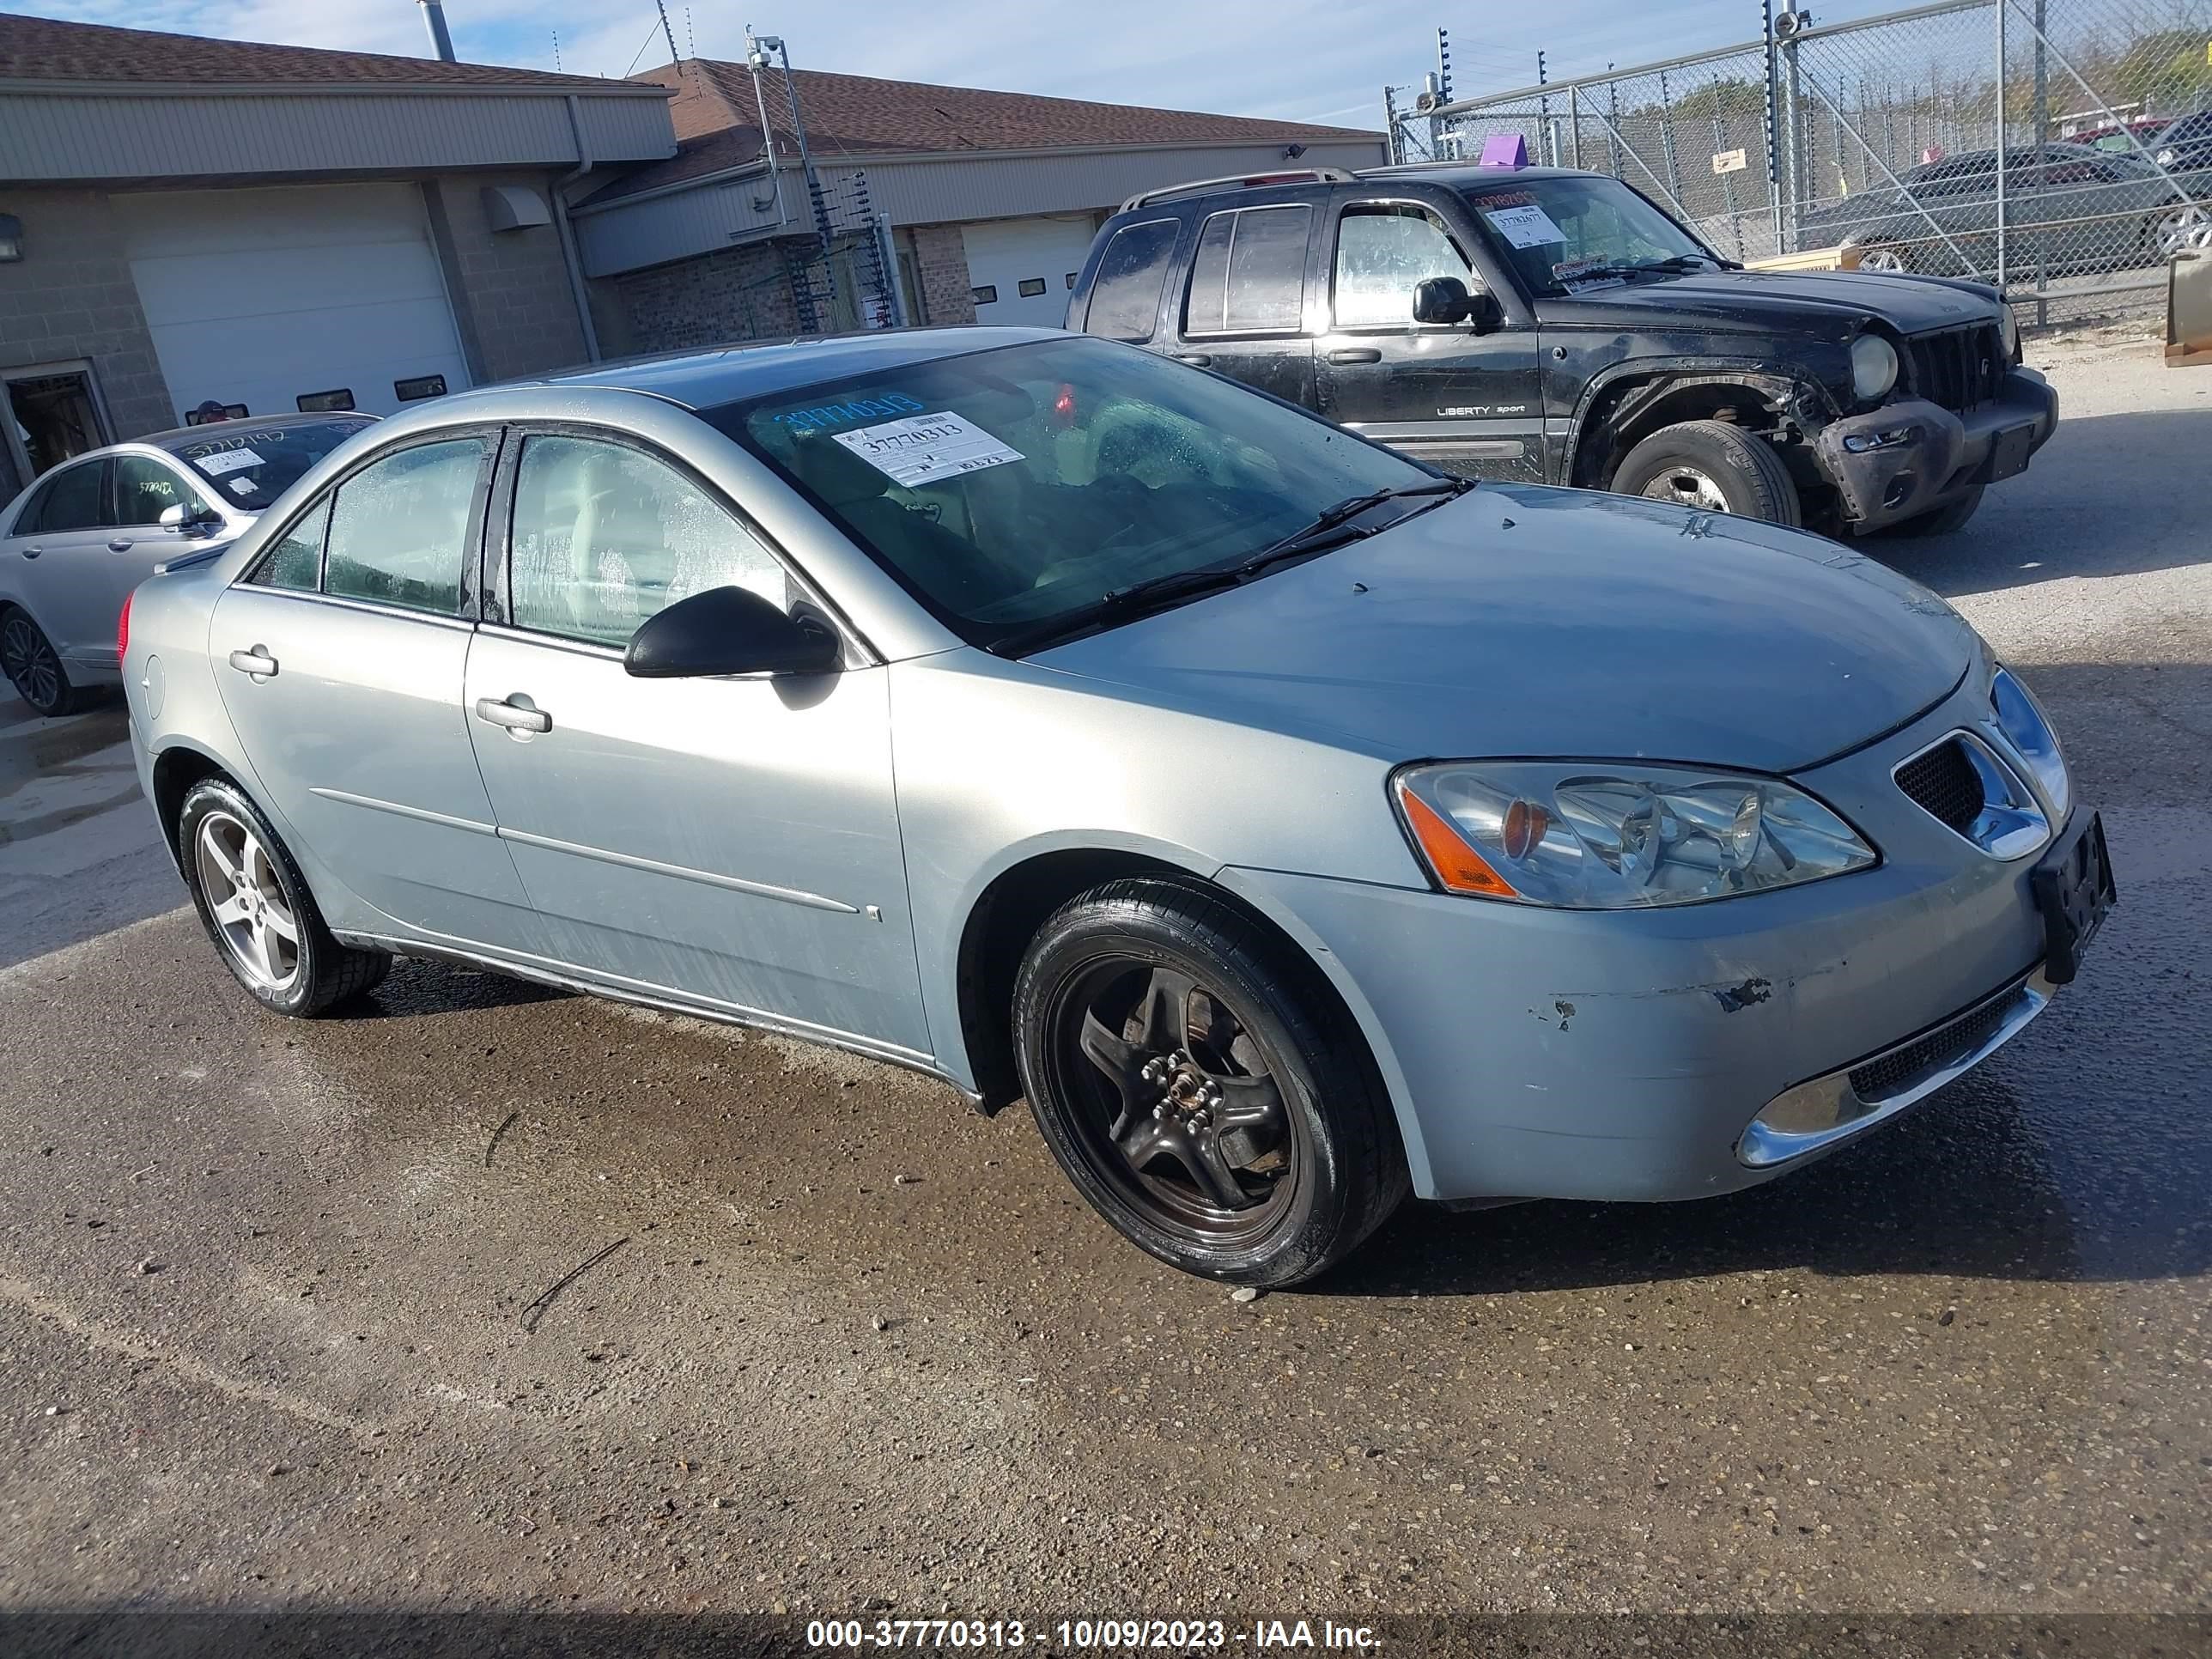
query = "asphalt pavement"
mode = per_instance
[{"x": 499, "y": 1315}]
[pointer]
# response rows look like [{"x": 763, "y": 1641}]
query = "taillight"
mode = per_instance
[
  {"x": 123, "y": 630},
  {"x": 2070, "y": 172}
]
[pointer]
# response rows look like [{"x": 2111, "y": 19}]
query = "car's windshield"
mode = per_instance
[
  {"x": 1012, "y": 489},
  {"x": 1566, "y": 233},
  {"x": 250, "y": 464}
]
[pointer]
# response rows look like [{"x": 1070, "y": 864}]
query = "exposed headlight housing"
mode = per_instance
[
  {"x": 1609, "y": 836},
  {"x": 2008, "y": 331},
  {"x": 1873, "y": 368},
  {"x": 2021, "y": 718}
]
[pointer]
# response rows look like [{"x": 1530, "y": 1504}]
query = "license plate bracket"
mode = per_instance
[
  {"x": 2008, "y": 451},
  {"x": 2073, "y": 889}
]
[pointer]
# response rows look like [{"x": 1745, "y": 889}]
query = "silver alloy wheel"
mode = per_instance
[
  {"x": 248, "y": 902},
  {"x": 29, "y": 662},
  {"x": 1882, "y": 259},
  {"x": 2184, "y": 227},
  {"x": 1686, "y": 486}
]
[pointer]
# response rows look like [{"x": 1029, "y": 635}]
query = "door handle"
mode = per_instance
[
  {"x": 1195, "y": 359},
  {"x": 257, "y": 662},
  {"x": 33, "y": 552},
  {"x": 494, "y": 711},
  {"x": 119, "y": 545},
  {"x": 1355, "y": 355}
]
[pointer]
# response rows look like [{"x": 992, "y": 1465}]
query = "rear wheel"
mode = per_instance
[
  {"x": 2183, "y": 225},
  {"x": 1714, "y": 467},
  {"x": 1200, "y": 1088},
  {"x": 34, "y": 667},
  {"x": 1892, "y": 258},
  {"x": 256, "y": 907}
]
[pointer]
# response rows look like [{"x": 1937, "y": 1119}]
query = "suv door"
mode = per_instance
[
  {"x": 340, "y": 656},
  {"x": 1244, "y": 304},
  {"x": 60, "y": 548},
  {"x": 732, "y": 841},
  {"x": 1465, "y": 396}
]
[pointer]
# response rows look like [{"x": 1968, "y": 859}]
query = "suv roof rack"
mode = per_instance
[{"x": 1244, "y": 181}]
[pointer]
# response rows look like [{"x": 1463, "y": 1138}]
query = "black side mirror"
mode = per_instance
[
  {"x": 728, "y": 631},
  {"x": 1441, "y": 299},
  {"x": 194, "y": 519}
]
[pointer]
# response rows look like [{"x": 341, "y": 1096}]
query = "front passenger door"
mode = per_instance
[
  {"x": 1458, "y": 396},
  {"x": 732, "y": 841}
]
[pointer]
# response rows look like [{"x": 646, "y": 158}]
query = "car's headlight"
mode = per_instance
[
  {"x": 2021, "y": 718},
  {"x": 2166, "y": 158},
  {"x": 1608, "y": 835},
  {"x": 1873, "y": 368},
  {"x": 2008, "y": 331}
]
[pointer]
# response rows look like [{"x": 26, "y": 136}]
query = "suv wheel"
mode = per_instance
[
  {"x": 34, "y": 668},
  {"x": 1199, "y": 1089},
  {"x": 1715, "y": 467},
  {"x": 256, "y": 907}
]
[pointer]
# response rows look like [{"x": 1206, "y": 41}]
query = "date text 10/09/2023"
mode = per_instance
[{"x": 1091, "y": 1635}]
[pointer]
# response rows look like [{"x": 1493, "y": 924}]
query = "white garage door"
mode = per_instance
[
  {"x": 262, "y": 297},
  {"x": 1023, "y": 266}
]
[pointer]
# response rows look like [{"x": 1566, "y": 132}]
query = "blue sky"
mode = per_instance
[{"x": 1313, "y": 60}]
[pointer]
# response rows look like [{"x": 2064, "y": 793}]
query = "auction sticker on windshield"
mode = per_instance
[
  {"x": 923, "y": 449},
  {"x": 1525, "y": 227},
  {"x": 228, "y": 460}
]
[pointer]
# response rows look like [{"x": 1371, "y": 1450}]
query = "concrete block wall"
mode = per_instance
[
  {"x": 511, "y": 302},
  {"x": 69, "y": 297}
]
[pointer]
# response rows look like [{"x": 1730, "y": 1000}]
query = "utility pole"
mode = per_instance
[{"x": 1546, "y": 150}]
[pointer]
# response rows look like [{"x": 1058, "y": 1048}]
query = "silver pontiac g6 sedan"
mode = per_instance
[{"x": 1290, "y": 824}]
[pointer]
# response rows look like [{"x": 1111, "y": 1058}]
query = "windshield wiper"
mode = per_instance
[
  {"x": 1331, "y": 527},
  {"x": 1673, "y": 264}
]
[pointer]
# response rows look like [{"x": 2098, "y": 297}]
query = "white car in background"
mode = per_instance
[{"x": 76, "y": 542}]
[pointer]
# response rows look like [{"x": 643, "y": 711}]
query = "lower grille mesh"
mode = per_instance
[
  {"x": 1944, "y": 783},
  {"x": 1894, "y": 1072}
]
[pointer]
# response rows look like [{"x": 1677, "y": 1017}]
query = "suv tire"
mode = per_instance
[
  {"x": 1712, "y": 466},
  {"x": 248, "y": 892},
  {"x": 1201, "y": 1087}
]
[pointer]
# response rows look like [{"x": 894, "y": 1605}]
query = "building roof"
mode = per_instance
[
  {"x": 718, "y": 122},
  {"x": 43, "y": 48}
]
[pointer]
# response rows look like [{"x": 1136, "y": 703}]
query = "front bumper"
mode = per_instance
[
  {"x": 1884, "y": 479},
  {"x": 1691, "y": 1050}
]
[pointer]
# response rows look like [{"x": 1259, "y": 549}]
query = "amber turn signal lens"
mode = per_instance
[{"x": 1458, "y": 865}]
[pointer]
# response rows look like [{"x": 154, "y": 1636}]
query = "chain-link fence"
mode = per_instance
[{"x": 2061, "y": 148}]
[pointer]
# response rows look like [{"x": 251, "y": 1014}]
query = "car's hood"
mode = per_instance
[
  {"x": 1828, "y": 302},
  {"x": 1525, "y": 621}
]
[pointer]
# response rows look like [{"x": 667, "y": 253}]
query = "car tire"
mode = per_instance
[
  {"x": 34, "y": 668},
  {"x": 1892, "y": 258},
  {"x": 1714, "y": 467},
  {"x": 248, "y": 892},
  {"x": 1942, "y": 520},
  {"x": 1202, "y": 1087}
]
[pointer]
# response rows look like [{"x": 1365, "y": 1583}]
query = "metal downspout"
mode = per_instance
[{"x": 568, "y": 259}]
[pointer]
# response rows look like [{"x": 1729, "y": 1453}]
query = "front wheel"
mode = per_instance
[
  {"x": 1201, "y": 1088},
  {"x": 1714, "y": 467},
  {"x": 256, "y": 908},
  {"x": 2186, "y": 225}
]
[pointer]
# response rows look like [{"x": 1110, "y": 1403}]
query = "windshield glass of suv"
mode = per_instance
[
  {"x": 1014, "y": 488},
  {"x": 1562, "y": 234},
  {"x": 250, "y": 464}
]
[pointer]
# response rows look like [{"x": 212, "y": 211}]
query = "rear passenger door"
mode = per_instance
[
  {"x": 1465, "y": 396},
  {"x": 1243, "y": 305},
  {"x": 61, "y": 559}
]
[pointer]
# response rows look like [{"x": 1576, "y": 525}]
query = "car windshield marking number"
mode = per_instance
[
  {"x": 924, "y": 449},
  {"x": 1525, "y": 227},
  {"x": 230, "y": 461}
]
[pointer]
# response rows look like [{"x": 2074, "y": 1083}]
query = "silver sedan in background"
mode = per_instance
[
  {"x": 86, "y": 532},
  {"x": 1292, "y": 825}
]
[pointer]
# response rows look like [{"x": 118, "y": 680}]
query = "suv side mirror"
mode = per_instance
[
  {"x": 1445, "y": 299},
  {"x": 728, "y": 631}
]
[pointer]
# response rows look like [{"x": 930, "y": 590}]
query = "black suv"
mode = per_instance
[{"x": 1556, "y": 326}]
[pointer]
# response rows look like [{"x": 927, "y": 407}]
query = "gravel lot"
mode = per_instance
[{"x": 281, "y": 1367}]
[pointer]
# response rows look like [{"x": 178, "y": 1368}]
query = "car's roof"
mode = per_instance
[
  {"x": 1473, "y": 173},
  {"x": 753, "y": 368}
]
